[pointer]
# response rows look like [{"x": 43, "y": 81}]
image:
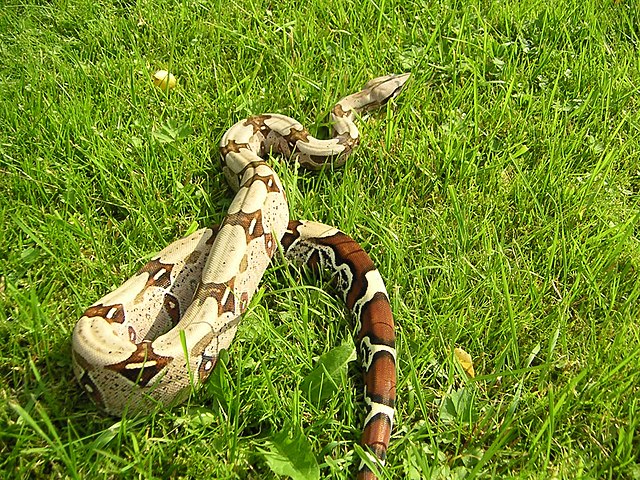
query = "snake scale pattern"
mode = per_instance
[{"x": 157, "y": 336}]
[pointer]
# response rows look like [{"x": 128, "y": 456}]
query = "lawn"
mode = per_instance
[{"x": 498, "y": 195}]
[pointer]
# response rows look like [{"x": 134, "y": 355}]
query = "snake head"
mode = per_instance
[{"x": 382, "y": 89}]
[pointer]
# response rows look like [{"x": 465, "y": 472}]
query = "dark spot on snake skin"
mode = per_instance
[
  {"x": 252, "y": 165},
  {"x": 81, "y": 362},
  {"x": 258, "y": 123},
  {"x": 348, "y": 142},
  {"x": 250, "y": 222},
  {"x": 199, "y": 348},
  {"x": 159, "y": 273},
  {"x": 223, "y": 293},
  {"x": 244, "y": 264},
  {"x": 296, "y": 136},
  {"x": 142, "y": 365},
  {"x": 269, "y": 181},
  {"x": 269, "y": 244},
  {"x": 244, "y": 301},
  {"x": 92, "y": 389},
  {"x": 206, "y": 366},
  {"x": 382, "y": 399},
  {"x": 111, "y": 313},
  {"x": 193, "y": 257},
  {"x": 171, "y": 305},
  {"x": 281, "y": 145},
  {"x": 314, "y": 262},
  {"x": 232, "y": 146},
  {"x": 132, "y": 334},
  {"x": 291, "y": 235},
  {"x": 214, "y": 233},
  {"x": 339, "y": 112}
]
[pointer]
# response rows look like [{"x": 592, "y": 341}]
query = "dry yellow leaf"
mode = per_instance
[
  {"x": 465, "y": 361},
  {"x": 164, "y": 80}
]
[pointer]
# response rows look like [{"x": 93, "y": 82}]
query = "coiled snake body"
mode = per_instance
[{"x": 160, "y": 333}]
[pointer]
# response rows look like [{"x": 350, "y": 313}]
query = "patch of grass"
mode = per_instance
[{"x": 498, "y": 195}]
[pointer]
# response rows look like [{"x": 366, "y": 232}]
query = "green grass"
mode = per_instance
[{"x": 498, "y": 195}]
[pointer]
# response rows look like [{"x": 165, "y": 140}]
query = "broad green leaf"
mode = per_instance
[
  {"x": 199, "y": 416},
  {"x": 291, "y": 457},
  {"x": 322, "y": 381},
  {"x": 170, "y": 132},
  {"x": 458, "y": 407}
]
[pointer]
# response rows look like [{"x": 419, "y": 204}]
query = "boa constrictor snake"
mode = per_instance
[{"x": 160, "y": 333}]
